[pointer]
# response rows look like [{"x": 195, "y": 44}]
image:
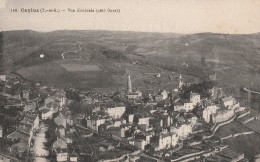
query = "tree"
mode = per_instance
[
  {"x": 75, "y": 107},
  {"x": 51, "y": 132},
  {"x": 145, "y": 99},
  {"x": 136, "y": 119},
  {"x": 150, "y": 148},
  {"x": 195, "y": 110}
]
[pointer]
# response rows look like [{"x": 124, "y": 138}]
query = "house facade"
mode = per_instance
[
  {"x": 144, "y": 121},
  {"x": 168, "y": 140},
  {"x": 188, "y": 106},
  {"x": 194, "y": 98},
  {"x": 182, "y": 130},
  {"x": 94, "y": 122},
  {"x": 47, "y": 113},
  {"x": 208, "y": 112},
  {"x": 115, "y": 112},
  {"x": 164, "y": 94},
  {"x": 228, "y": 101}
]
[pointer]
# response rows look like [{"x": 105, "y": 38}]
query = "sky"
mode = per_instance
[{"x": 174, "y": 16}]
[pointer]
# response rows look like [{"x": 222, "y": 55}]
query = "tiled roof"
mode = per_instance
[
  {"x": 45, "y": 110},
  {"x": 227, "y": 98}
]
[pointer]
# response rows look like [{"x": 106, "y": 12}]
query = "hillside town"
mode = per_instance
[{"x": 69, "y": 125}]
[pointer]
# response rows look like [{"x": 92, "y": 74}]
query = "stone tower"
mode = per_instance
[{"x": 129, "y": 84}]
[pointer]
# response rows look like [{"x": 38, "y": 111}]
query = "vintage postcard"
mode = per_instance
[{"x": 129, "y": 80}]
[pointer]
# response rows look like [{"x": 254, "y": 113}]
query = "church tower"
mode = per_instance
[{"x": 180, "y": 81}]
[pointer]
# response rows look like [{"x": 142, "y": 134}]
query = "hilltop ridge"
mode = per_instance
[{"x": 235, "y": 58}]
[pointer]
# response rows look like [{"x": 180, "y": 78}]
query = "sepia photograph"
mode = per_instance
[{"x": 129, "y": 80}]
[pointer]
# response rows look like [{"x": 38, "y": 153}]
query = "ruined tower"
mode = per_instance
[{"x": 212, "y": 76}]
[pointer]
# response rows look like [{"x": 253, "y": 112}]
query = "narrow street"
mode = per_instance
[{"x": 39, "y": 150}]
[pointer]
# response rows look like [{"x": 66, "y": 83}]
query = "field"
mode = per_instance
[
  {"x": 53, "y": 74},
  {"x": 254, "y": 125},
  {"x": 77, "y": 65},
  {"x": 248, "y": 144},
  {"x": 244, "y": 143},
  {"x": 232, "y": 128}
]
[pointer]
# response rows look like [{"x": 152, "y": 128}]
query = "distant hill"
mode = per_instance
[{"x": 235, "y": 58}]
